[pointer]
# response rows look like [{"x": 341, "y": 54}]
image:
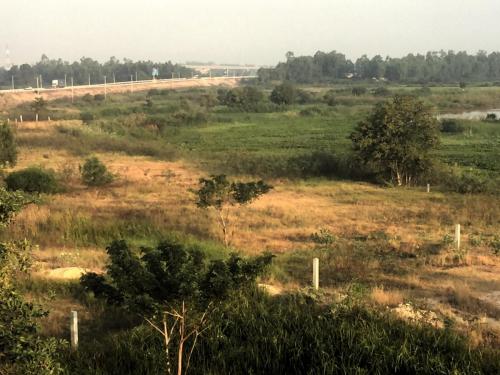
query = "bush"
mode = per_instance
[
  {"x": 99, "y": 97},
  {"x": 95, "y": 173},
  {"x": 8, "y": 149},
  {"x": 451, "y": 126},
  {"x": 381, "y": 91},
  {"x": 283, "y": 94},
  {"x": 330, "y": 98},
  {"x": 304, "y": 97},
  {"x": 358, "y": 91},
  {"x": 87, "y": 98},
  {"x": 311, "y": 111},
  {"x": 87, "y": 117},
  {"x": 32, "y": 180},
  {"x": 170, "y": 272}
]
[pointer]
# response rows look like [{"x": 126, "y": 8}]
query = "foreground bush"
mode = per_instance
[
  {"x": 95, "y": 173},
  {"x": 169, "y": 272},
  {"x": 252, "y": 333},
  {"x": 22, "y": 350},
  {"x": 32, "y": 180}
]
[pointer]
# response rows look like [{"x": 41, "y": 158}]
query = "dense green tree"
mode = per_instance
[
  {"x": 397, "y": 139},
  {"x": 283, "y": 94},
  {"x": 8, "y": 149},
  {"x": 446, "y": 67},
  {"x": 95, "y": 173}
]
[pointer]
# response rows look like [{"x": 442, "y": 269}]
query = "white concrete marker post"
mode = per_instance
[
  {"x": 21, "y": 118},
  {"x": 316, "y": 273},
  {"x": 74, "y": 330},
  {"x": 457, "y": 236},
  {"x": 428, "y": 188}
]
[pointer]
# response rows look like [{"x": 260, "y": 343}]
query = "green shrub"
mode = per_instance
[
  {"x": 99, "y": 97},
  {"x": 87, "y": 98},
  {"x": 32, "y": 180},
  {"x": 304, "y": 97},
  {"x": 87, "y": 117},
  {"x": 358, "y": 91},
  {"x": 95, "y": 173},
  {"x": 381, "y": 91},
  {"x": 330, "y": 98},
  {"x": 284, "y": 94},
  {"x": 451, "y": 126},
  {"x": 311, "y": 111},
  {"x": 8, "y": 149}
]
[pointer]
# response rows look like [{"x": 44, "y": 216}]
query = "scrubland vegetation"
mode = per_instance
[{"x": 119, "y": 189}]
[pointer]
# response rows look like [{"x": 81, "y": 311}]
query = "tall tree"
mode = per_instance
[
  {"x": 8, "y": 149},
  {"x": 397, "y": 139}
]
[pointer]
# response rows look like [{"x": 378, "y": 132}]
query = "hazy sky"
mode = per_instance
[{"x": 254, "y": 31}]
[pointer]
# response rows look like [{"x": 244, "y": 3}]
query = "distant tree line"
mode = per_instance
[
  {"x": 25, "y": 75},
  {"x": 438, "y": 67}
]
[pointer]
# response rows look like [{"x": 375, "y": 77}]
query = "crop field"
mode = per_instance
[{"x": 388, "y": 246}]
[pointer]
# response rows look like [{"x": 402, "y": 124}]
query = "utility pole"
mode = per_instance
[
  {"x": 131, "y": 83},
  {"x": 136, "y": 76},
  {"x": 12, "y": 82},
  {"x": 37, "y": 82},
  {"x": 89, "y": 79},
  {"x": 114, "y": 80},
  {"x": 72, "y": 91},
  {"x": 41, "y": 81},
  {"x": 65, "y": 84},
  {"x": 105, "y": 91}
]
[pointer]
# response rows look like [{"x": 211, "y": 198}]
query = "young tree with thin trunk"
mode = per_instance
[{"x": 219, "y": 193}]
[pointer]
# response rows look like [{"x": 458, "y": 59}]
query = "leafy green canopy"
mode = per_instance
[
  {"x": 218, "y": 191},
  {"x": 167, "y": 273},
  {"x": 397, "y": 139}
]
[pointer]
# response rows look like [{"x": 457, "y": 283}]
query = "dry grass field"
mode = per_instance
[{"x": 401, "y": 232}]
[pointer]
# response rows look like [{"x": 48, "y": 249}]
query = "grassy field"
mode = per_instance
[{"x": 389, "y": 245}]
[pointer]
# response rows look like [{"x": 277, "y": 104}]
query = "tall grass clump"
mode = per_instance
[{"x": 252, "y": 333}]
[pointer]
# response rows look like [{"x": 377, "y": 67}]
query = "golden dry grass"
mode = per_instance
[{"x": 385, "y": 297}]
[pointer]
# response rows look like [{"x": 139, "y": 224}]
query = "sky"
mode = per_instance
[{"x": 242, "y": 32}]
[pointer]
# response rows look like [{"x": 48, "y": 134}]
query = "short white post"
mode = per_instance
[
  {"x": 36, "y": 117},
  {"x": 74, "y": 330},
  {"x": 457, "y": 236},
  {"x": 21, "y": 118},
  {"x": 48, "y": 118},
  {"x": 316, "y": 273},
  {"x": 428, "y": 188}
]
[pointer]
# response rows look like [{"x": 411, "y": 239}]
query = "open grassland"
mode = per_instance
[{"x": 389, "y": 245}]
